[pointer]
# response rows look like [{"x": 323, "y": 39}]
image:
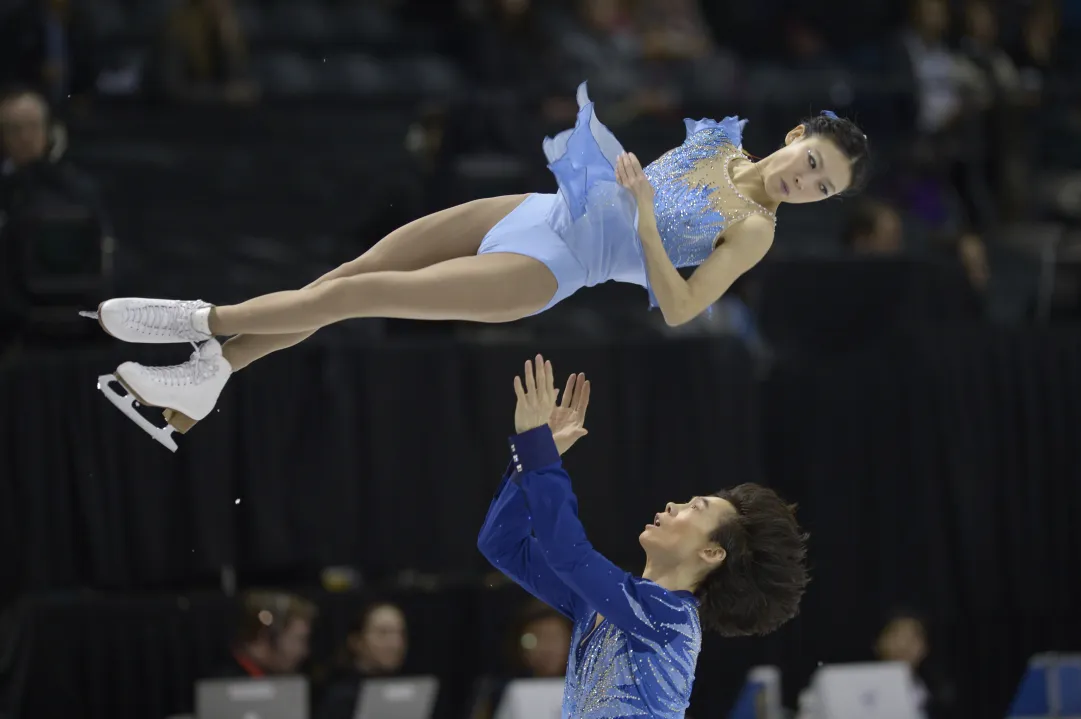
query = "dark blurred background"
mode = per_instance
[{"x": 906, "y": 365}]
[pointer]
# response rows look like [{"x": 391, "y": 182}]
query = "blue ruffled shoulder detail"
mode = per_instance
[{"x": 732, "y": 127}]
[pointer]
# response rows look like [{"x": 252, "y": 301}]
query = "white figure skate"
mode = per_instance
[
  {"x": 134, "y": 319},
  {"x": 188, "y": 391}
]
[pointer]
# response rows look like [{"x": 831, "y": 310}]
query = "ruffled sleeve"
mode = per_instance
[{"x": 732, "y": 127}]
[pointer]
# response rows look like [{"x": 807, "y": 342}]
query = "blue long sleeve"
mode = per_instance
[
  {"x": 506, "y": 540},
  {"x": 641, "y": 608}
]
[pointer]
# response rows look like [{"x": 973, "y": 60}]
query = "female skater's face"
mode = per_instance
[
  {"x": 808, "y": 168},
  {"x": 682, "y": 531}
]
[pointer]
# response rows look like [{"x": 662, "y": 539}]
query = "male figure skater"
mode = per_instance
[{"x": 733, "y": 562}]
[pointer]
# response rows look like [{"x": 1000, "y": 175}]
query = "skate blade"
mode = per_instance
[
  {"x": 89, "y": 315},
  {"x": 126, "y": 404}
]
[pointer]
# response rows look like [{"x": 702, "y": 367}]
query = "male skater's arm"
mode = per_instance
[
  {"x": 506, "y": 540},
  {"x": 637, "y": 606}
]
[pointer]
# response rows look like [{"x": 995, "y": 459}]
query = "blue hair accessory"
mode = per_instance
[{"x": 833, "y": 116}]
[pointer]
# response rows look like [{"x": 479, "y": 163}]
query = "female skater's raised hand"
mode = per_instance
[
  {"x": 537, "y": 399},
  {"x": 568, "y": 420},
  {"x": 630, "y": 174}
]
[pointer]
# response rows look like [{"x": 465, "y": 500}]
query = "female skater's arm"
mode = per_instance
[
  {"x": 682, "y": 300},
  {"x": 506, "y": 540},
  {"x": 639, "y": 607}
]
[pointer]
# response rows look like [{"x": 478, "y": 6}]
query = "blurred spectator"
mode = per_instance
[
  {"x": 48, "y": 46},
  {"x": 874, "y": 228},
  {"x": 601, "y": 43},
  {"x": 807, "y": 48},
  {"x": 679, "y": 49},
  {"x": 510, "y": 47},
  {"x": 272, "y": 637},
  {"x": 940, "y": 78},
  {"x": 26, "y": 129},
  {"x": 733, "y": 315},
  {"x": 981, "y": 45},
  {"x": 947, "y": 185},
  {"x": 376, "y": 646},
  {"x": 56, "y": 238},
  {"x": 972, "y": 254},
  {"x": 1039, "y": 51},
  {"x": 538, "y": 647},
  {"x": 1002, "y": 124},
  {"x": 904, "y": 639},
  {"x": 204, "y": 55},
  {"x": 1049, "y": 61},
  {"x": 542, "y": 639},
  {"x": 510, "y": 57},
  {"x": 674, "y": 30}
]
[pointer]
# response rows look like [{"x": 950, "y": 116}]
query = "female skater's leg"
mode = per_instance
[
  {"x": 490, "y": 287},
  {"x": 498, "y": 287},
  {"x": 441, "y": 236}
]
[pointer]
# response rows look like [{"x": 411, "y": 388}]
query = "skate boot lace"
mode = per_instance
[
  {"x": 193, "y": 372},
  {"x": 173, "y": 318}
]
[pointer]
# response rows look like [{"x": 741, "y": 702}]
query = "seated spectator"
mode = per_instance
[
  {"x": 509, "y": 48},
  {"x": 542, "y": 640},
  {"x": 54, "y": 234},
  {"x": 203, "y": 56},
  {"x": 674, "y": 30},
  {"x": 272, "y": 637},
  {"x": 47, "y": 45},
  {"x": 509, "y": 56},
  {"x": 539, "y": 644},
  {"x": 949, "y": 155},
  {"x": 970, "y": 252},
  {"x": 874, "y": 228},
  {"x": 601, "y": 42},
  {"x": 1039, "y": 52},
  {"x": 375, "y": 647},
  {"x": 904, "y": 639},
  {"x": 25, "y": 128},
  {"x": 678, "y": 49}
]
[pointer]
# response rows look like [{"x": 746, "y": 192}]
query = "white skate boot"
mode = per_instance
[
  {"x": 190, "y": 390},
  {"x": 134, "y": 319}
]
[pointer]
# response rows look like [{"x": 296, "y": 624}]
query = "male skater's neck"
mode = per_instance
[{"x": 674, "y": 578}]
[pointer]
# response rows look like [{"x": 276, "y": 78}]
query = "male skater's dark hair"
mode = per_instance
[{"x": 759, "y": 585}]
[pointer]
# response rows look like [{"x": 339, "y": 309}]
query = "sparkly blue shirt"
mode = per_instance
[{"x": 639, "y": 661}]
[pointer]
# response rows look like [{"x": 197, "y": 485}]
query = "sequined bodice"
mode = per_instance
[
  {"x": 614, "y": 674},
  {"x": 695, "y": 199}
]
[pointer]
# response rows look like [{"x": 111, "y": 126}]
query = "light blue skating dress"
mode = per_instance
[{"x": 587, "y": 234}]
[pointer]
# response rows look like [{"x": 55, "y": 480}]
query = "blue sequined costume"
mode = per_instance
[
  {"x": 587, "y": 232},
  {"x": 639, "y": 661}
]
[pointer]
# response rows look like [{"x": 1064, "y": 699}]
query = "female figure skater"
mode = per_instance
[
  {"x": 732, "y": 562},
  {"x": 701, "y": 204}
]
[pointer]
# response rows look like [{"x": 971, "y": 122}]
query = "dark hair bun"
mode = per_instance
[{"x": 850, "y": 139}]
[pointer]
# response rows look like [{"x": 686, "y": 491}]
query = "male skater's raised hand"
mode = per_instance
[
  {"x": 537, "y": 403},
  {"x": 536, "y": 395},
  {"x": 568, "y": 419}
]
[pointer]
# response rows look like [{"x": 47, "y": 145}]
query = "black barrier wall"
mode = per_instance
[{"x": 940, "y": 469}]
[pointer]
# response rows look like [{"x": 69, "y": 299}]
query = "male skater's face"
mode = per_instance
[{"x": 682, "y": 531}]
